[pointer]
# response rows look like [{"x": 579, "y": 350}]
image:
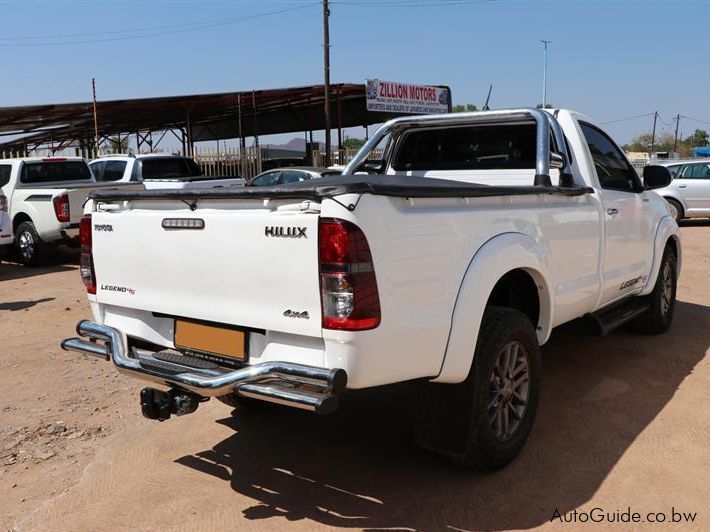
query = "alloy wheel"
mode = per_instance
[{"x": 509, "y": 390}]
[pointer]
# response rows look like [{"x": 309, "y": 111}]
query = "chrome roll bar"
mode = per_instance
[{"x": 546, "y": 125}]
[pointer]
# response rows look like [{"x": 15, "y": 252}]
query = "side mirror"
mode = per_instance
[
  {"x": 372, "y": 166},
  {"x": 655, "y": 176}
]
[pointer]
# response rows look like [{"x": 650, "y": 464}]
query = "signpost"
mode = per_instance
[{"x": 393, "y": 97}]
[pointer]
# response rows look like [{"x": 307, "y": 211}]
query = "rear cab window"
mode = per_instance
[
  {"x": 479, "y": 147},
  {"x": 52, "y": 171},
  {"x": 169, "y": 168}
]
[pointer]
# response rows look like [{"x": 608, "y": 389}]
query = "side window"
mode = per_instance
[
  {"x": 673, "y": 170},
  {"x": 613, "y": 170},
  {"x": 114, "y": 170},
  {"x": 696, "y": 171},
  {"x": 5, "y": 170},
  {"x": 97, "y": 168},
  {"x": 293, "y": 176},
  {"x": 270, "y": 178}
]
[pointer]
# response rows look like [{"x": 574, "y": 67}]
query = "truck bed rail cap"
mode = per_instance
[{"x": 380, "y": 185}]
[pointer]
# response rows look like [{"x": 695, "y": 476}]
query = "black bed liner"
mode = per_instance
[{"x": 380, "y": 185}]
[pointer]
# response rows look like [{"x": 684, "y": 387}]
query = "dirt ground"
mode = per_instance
[{"x": 624, "y": 422}]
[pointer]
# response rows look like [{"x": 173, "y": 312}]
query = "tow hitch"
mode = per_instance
[{"x": 156, "y": 404}]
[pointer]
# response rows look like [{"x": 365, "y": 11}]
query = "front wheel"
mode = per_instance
[
  {"x": 661, "y": 300},
  {"x": 676, "y": 209},
  {"x": 30, "y": 248},
  {"x": 484, "y": 422}
]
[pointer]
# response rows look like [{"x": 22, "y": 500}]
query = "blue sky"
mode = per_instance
[{"x": 608, "y": 59}]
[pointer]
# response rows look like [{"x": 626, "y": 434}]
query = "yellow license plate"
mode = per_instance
[{"x": 211, "y": 339}]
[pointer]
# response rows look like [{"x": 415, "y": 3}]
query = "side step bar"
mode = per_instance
[
  {"x": 296, "y": 385},
  {"x": 606, "y": 320}
]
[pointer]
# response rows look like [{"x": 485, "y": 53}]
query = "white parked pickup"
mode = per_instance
[
  {"x": 45, "y": 198},
  {"x": 158, "y": 170},
  {"x": 5, "y": 223},
  {"x": 451, "y": 264}
]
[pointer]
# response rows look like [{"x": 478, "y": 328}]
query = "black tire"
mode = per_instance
[
  {"x": 677, "y": 207},
  {"x": 661, "y": 300},
  {"x": 30, "y": 249},
  {"x": 457, "y": 419}
]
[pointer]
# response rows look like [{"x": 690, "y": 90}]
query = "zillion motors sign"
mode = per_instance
[{"x": 393, "y": 97}]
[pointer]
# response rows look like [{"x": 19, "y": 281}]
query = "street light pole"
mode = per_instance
[{"x": 544, "y": 73}]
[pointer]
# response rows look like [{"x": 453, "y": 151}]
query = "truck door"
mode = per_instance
[
  {"x": 693, "y": 183},
  {"x": 628, "y": 226}
]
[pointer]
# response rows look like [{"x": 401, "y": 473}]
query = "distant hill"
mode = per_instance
[{"x": 295, "y": 144}]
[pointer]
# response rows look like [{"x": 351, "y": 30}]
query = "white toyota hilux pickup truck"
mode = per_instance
[
  {"x": 158, "y": 170},
  {"x": 45, "y": 198},
  {"x": 451, "y": 264}
]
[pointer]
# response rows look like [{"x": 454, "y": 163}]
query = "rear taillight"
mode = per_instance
[
  {"x": 86, "y": 262},
  {"x": 349, "y": 296},
  {"x": 61, "y": 207}
]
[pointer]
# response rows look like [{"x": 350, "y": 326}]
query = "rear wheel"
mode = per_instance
[
  {"x": 661, "y": 300},
  {"x": 30, "y": 248},
  {"x": 676, "y": 209},
  {"x": 484, "y": 422}
]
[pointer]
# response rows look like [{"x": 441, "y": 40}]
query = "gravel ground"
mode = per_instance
[{"x": 623, "y": 423}]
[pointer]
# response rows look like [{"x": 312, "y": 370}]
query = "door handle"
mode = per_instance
[
  {"x": 682, "y": 186},
  {"x": 612, "y": 212}
]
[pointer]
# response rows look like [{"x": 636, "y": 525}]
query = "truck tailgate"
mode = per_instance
[{"x": 236, "y": 270}]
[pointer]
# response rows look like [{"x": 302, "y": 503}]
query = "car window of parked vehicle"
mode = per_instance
[
  {"x": 479, "y": 147},
  {"x": 264, "y": 180},
  {"x": 193, "y": 169},
  {"x": 5, "y": 170},
  {"x": 48, "y": 171},
  {"x": 166, "y": 168},
  {"x": 97, "y": 167},
  {"x": 293, "y": 176},
  {"x": 113, "y": 170},
  {"x": 696, "y": 171},
  {"x": 673, "y": 169},
  {"x": 613, "y": 170}
]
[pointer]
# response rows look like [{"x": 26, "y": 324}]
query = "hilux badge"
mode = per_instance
[{"x": 285, "y": 232}]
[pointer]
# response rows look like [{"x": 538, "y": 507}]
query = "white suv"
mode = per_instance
[{"x": 689, "y": 193}]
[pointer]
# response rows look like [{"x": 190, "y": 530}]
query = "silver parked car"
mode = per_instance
[
  {"x": 281, "y": 176},
  {"x": 689, "y": 193}
]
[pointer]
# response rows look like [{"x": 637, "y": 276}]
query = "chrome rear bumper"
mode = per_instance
[{"x": 296, "y": 385}]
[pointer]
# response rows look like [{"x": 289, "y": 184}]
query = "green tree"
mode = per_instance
[
  {"x": 699, "y": 138},
  {"x": 353, "y": 144},
  {"x": 464, "y": 108}
]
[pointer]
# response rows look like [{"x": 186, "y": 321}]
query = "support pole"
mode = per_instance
[
  {"x": 96, "y": 120},
  {"x": 326, "y": 79},
  {"x": 675, "y": 141},
  {"x": 256, "y": 127},
  {"x": 653, "y": 135}
]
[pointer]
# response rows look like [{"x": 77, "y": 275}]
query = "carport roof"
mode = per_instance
[{"x": 212, "y": 116}]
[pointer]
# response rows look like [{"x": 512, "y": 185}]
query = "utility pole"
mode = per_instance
[
  {"x": 326, "y": 80},
  {"x": 675, "y": 142},
  {"x": 653, "y": 135},
  {"x": 96, "y": 121},
  {"x": 544, "y": 73}
]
